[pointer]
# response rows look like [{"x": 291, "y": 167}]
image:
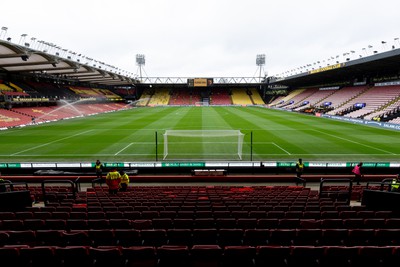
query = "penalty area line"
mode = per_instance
[
  {"x": 123, "y": 149},
  {"x": 281, "y": 148}
]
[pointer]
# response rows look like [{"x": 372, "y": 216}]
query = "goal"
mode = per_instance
[{"x": 203, "y": 144}]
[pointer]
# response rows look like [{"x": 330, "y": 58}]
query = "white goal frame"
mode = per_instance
[{"x": 205, "y": 134}]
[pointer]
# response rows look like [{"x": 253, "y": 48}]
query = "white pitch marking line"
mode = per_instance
[
  {"x": 351, "y": 141},
  {"x": 281, "y": 148},
  {"x": 55, "y": 141},
  {"x": 123, "y": 149}
]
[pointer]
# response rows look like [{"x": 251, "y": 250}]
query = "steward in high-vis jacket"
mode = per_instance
[{"x": 113, "y": 180}]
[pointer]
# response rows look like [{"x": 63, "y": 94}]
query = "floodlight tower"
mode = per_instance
[
  {"x": 260, "y": 61},
  {"x": 140, "y": 61}
]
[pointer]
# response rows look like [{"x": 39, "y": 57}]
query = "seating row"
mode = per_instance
[
  {"x": 204, "y": 223},
  {"x": 200, "y": 256},
  {"x": 222, "y": 237},
  {"x": 188, "y": 214}
]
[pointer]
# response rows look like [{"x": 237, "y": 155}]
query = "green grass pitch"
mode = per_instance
[{"x": 130, "y": 136}]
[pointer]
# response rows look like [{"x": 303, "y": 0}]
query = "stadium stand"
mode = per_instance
[
  {"x": 241, "y": 97},
  {"x": 99, "y": 229}
]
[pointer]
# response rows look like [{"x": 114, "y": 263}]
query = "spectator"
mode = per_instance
[
  {"x": 99, "y": 170},
  {"x": 299, "y": 171},
  {"x": 113, "y": 179},
  {"x": 395, "y": 186},
  {"x": 123, "y": 186},
  {"x": 357, "y": 170}
]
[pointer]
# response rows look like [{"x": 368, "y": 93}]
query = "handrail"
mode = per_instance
[
  {"x": 386, "y": 181},
  {"x": 97, "y": 181},
  {"x": 350, "y": 181},
  {"x": 58, "y": 182},
  {"x": 77, "y": 183}
]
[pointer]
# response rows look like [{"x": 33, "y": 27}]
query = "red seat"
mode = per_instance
[
  {"x": 40, "y": 256},
  {"x": 306, "y": 256},
  {"x": 239, "y": 256},
  {"x": 120, "y": 223},
  {"x": 127, "y": 237},
  {"x": 308, "y": 237},
  {"x": 230, "y": 237},
  {"x": 55, "y": 224},
  {"x": 162, "y": 223},
  {"x": 73, "y": 256},
  {"x": 154, "y": 237},
  {"x": 205, "y": 236},
  {"x": 104, "y": 237},
  {"x": 179, "y": 237},
  {"x": 334, "y": 237},
  {"x": 272, "y": 256},
  {"x": 107, "y": 256},
  {"x": 335, "y": 256},
  {"x": 23, "y": 237},
  {"x": 76, "y": 238},
  {"x": 255, "y": 237},
  {"x": 206, "y": 256},
  {"x": 10, "y": 256},
  {"x": 169, "y": 255},
  {"x": 49, "y": 238},
  {"x": 375, "y": 256},
  {"x": 144, "y": 256}
]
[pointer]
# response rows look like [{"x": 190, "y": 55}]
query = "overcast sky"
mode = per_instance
[{"x": 208, "y": 38}]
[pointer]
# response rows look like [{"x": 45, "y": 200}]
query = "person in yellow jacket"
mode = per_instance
[
  {"x": 123, "y": 185},
  {"x": 113, "y": 179},
  {"x": 395, "y": 186}
]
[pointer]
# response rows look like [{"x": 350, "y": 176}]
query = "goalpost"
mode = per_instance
[{"x": 203, "y": 144}]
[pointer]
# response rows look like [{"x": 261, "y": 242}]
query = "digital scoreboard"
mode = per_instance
[{"x": 200, "y": 82}]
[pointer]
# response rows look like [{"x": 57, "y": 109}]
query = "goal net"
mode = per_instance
[{"x": 203, "y": 144}]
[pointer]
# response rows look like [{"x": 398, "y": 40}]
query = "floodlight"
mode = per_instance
[
  {"x": 260, "y": 60},
  {"x": 140, "y": 60}
]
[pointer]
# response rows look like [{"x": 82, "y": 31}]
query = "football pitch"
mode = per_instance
[{"x": 136, "y": 135}]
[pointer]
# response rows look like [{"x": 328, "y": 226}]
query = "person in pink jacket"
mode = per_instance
[{"x": 357, "y": 170}]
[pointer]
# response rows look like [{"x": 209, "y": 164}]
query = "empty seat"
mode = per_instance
[
  {"x": 204, "y": 223},
  {"x": 49, "y": 238},
  {"x": 205, "y": 236},
  {"x": 179, "y": 237},
  {"x": 255, "y": 237},
  {"x": 120, "y": 223},
  {"x": 206, "y": 256},
  {"x": 334, "y": 237},
  {"x": 23, "y": 237},
  {"x": 272, "y": 256},
  {"x": 39, "y": 256},
  {"x": 10, "y": 256},
  {"x": 106, "y": 256},
  {"x": 242, "y": 256},
  {"x": 308, "y": 237},
  {"x": 335, "y": 256},
  {"x": 375, "y": 256},
  {"x": 305, "y": 256},
  {"x": 127, "y": 237},
  {"x": 226, "y": 223},
  {"x": 230, "y": 237},
  {"x": 56, "y": 224},
  {"x": 73, "y": 256},
  {"x": 12, "y": 225},
  {"x": 170, "y": 255},
  {"x": 76, "y": 238},
  {"x": 154, "y": 237},
  {"x": 144, "y": 256},
  {"x": 104, "y": 237},
  {"x": 282, "y": 237},
  {"x": 162, "y": 223}
]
